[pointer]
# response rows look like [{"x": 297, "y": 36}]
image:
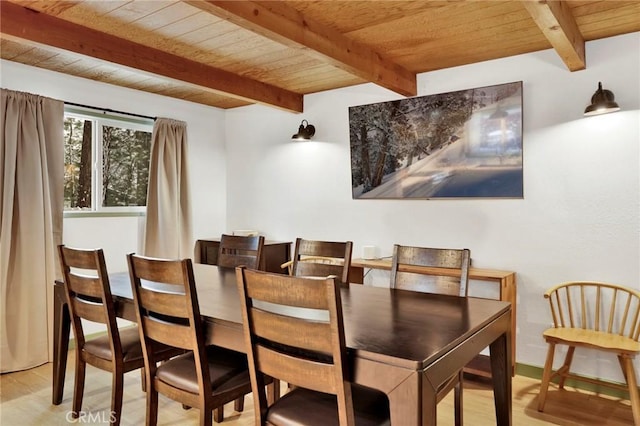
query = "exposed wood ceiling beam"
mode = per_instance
[
  {"x": 555, "y": 20},
  {"x": 27, "y": 24},
  {"x": 285, "y": 25}
]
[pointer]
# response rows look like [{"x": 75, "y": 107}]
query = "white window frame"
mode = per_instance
[{"x": 101, "y": 119}]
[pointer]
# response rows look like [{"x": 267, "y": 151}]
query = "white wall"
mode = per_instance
[
  {"x": 579, "y": 218},
  {"x": 205, "y": 132}
]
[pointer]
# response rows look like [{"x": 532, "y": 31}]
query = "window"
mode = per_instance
[{"x": 106, "y": 162}]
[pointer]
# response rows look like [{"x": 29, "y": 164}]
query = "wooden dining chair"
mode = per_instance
[
  {"x": 321, "y": 259},
  {"x": 439, "y": 271},
  {"x": 599, "y": 316},
  {"x": 294, "y": 332},
  {"x": 236, "y": 250},
  {"x": 86, "y": 285},
  {"x": 206, "y": 377}
]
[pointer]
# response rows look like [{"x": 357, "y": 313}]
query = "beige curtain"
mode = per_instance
[
  {"x": 31, "y": 204},
  {"x": 168, "y": 224}
]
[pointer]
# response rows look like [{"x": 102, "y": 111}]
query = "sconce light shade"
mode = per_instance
[
  {"x": 305, "y": 131},
  {"x": 602, "y": 102}
]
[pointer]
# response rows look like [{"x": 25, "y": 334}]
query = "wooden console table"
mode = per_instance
[
  {"x": 506, "y": 280},
  {"x": 274, "y": 254}
]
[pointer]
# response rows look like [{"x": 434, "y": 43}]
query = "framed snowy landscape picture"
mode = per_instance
[{"x": 463, "y": 144}]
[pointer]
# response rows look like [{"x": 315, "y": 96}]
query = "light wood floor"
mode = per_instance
[{"x": 25, "y": 399}]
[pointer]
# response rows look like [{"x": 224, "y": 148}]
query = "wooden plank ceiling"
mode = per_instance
[{"x": 233, "y": 53}]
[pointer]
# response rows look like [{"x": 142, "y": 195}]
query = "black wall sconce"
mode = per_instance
[
  {"x": 602, "y": 102},
  {"x": 305, "y": 131}
]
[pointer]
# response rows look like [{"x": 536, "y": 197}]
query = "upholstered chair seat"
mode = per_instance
[
  {"x": 305, "y": 407},
  {"x": 227, "y": 369},
  {"x": 131, "y": 347},
  {"x": 129, "y": 339}
]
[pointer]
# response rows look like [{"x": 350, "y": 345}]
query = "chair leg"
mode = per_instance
[
  {"x": 143, "y": 379},
  {"x": 457, "y": 395},
  {"x": 634, "y": 395},
  {"x": 218, "y": 414},
  {"x": 117, "y": 389},
  {"x": 152, "y": 406},
  {"x": 239, "y": 404},
  {"x": 546, "y": 376},
  {"x": 622, "y": 367},
  {"x": 566, "y": 366},
  {"x": 273, "y": 391},
  {"x": 78, "y": 389}
]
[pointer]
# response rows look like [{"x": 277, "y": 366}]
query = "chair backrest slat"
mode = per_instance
[
  {"x": 636, "y": 325},
  {"x": 555, "y": 315},
  {"x": 309, "y": 268},
  {"x": 313, "y": 258},
  {"x": 81, "y": 258},
  {"x": 291, "y": 294},
  {"x": 598, "y": 315},
  {"x": 175, "y": 335},
  {"x": 612, "y": 310},
  {"x": 597, "y": 306},
  {"x": 405, "y": 275},
  {"x": 89, "y": 311},
  {"x": 85, "y": 285},
  {"x": 570, "y": 306},
  {"x": 625, "y": 315},
  {"x": 171, "y": 304},
  {"x": 635, "y": 321},
  {"x": 317, "y": 375},
  {"x": 291, "y": 331},
  {"x": 236, "y": 250},
  {"x": 321, "y": 248},
  {"x": 155, "y": 270}
]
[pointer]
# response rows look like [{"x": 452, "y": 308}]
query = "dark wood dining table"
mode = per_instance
[{"x": 403, "y": 343}]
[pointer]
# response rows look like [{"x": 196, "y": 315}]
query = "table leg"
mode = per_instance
[
  {"x": 356, "y": 275},
  {"x": 401, "y": 385},
  {"x": 500, "y": 351},
  {"x": 61, "y": 328},
  {"x": 429, "y": 404}
]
